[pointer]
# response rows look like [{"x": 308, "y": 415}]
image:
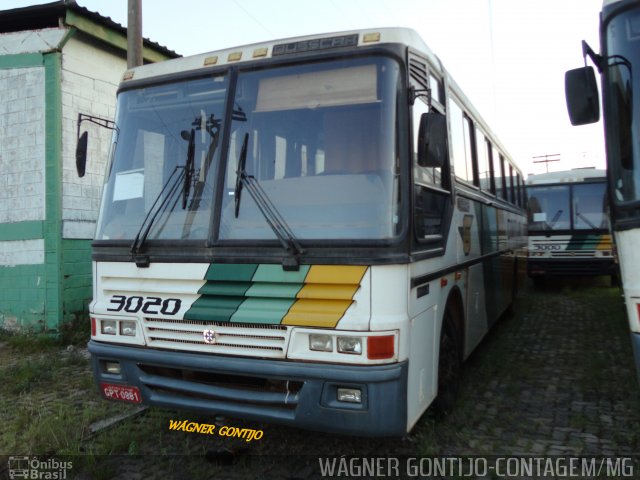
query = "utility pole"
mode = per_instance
[
  {"x": 134, "y": 34},
  {"x": 548, "y": 158}
]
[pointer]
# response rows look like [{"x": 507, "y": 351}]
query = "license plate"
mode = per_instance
[{"x": 124, "y": 393}]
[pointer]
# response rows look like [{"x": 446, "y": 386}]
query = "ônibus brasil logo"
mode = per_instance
[{"x": 34, "y": 468}]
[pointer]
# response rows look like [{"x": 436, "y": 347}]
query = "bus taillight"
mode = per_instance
[{"x": 93, "y": 327}]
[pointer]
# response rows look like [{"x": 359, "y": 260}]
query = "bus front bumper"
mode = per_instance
[{"x": 298, "y": 394}]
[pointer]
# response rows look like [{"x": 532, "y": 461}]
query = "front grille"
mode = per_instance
[
  {"x": 245, "y": 389},
  {"x": 251, "y": 339},
  {"x": 574, "y": 253}
]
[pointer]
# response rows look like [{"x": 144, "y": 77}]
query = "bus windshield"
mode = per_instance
[
  {"x": 623, "y": 142},
  {"x": 548, "y": 208},
  {"x": 320, "y": 143},
  {"x": 580, "y": 206}
]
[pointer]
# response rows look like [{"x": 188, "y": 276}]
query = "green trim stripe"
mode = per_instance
[
  {"x": 53, "y": 181},
  {"x": 21, "y": 231},
  {"x": 21, "y": 60}
]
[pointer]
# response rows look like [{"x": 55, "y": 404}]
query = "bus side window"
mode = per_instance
[
  {"x": 497, "y": 172},
  {"x": 470, "y": 150},
  {"x": 520, "y": 191},
  {"x": 484, "y": 170},
  {"x": 503, "y": 171},
  {"x": 460, "y": 147},
  {"x": 512, "y": 191}
]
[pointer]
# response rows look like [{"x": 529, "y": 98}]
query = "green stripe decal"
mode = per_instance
[
  {"x": 275, "y": 274},
  {"x": 266, "y": 294},
  {"x": 223, "y": 292},
  {"x": 263, "y": 310},
  {"x": 231, "y": 272},
  {"x": 584, "y": 242},
  {"x": 214, "y": 309},
  {"x": 271, "y": 295}
]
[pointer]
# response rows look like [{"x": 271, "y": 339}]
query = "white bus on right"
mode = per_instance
[
  {"x": 568, "y": 225},
  {"x": 618, "y": 64}
]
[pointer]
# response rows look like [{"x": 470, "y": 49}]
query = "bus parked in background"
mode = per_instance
[
  {"x": 617, "y": 61},
  {"x": 568, "y": 216},
  {"x": 315, "y": 232}
]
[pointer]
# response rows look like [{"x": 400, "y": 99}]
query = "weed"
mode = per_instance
[
  {"x": 28, "y": 342},
  {"x": 75, "y": 331},
  {"x": 26, "y": 375}
]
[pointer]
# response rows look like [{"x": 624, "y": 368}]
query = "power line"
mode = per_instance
[{"x": 254, "y": 18}]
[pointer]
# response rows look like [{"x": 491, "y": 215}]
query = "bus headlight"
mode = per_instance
[
  {"x": 128, "y": 328},
  {"x": 321, "y": 343},
  {"x": 351, "y": 345},
  {"x": 117, "y": 330},
  {"x": 108, "y": 327}
]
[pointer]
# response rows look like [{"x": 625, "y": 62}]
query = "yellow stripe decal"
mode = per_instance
[
  {"x": 605, "y": 243},
  {"x": 326, "y": 295}
]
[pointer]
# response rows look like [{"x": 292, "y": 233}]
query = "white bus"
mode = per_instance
[
  {"x": 314, "y": 231},
  {"x": 619, "y": 57},
  {"x": 568, "y": 216}
]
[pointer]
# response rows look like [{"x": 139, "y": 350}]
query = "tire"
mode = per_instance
[{"x": 449, "y": 366}]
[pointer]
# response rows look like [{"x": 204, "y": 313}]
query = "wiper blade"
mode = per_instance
[
  {"x": 585, "y": 220},
  {"x": 271, "y": 214},
  {"x": 170, "y": 186},
  {"x": 240, "y": 174},
  {"x": 188, "y": 166}
]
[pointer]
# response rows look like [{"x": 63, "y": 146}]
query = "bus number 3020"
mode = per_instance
[{"x": 148, "y": 305}]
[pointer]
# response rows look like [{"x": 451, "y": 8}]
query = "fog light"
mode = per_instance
[
  {"x": 351, "y": 395},
  {"x": 128, "y": 328},
  {"x": 108, "y": 327},
  {"x": 321, "y": 343},
  {"x": 112, "y": 367},
  {"x": 352, "y": 345}
]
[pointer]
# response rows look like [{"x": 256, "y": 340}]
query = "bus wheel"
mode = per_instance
[{"x": 449, "y": 366}]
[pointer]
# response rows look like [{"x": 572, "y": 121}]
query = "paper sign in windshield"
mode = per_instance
[{"x": 128, "y": 185}]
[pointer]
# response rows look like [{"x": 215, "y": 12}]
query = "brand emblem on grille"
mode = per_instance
[{"x": 209, "y": 337}]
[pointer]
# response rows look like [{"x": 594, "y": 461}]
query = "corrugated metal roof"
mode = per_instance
[{"x": 52, "y": 15}]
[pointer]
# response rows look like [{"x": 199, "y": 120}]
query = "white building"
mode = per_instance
[{"x": 57, "y": 60}]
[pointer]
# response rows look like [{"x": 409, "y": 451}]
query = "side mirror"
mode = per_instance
[
  {"x": 81, "y": 154},
  {"x": 581, "y": 91},
  {"x": 432, "y": 140}
]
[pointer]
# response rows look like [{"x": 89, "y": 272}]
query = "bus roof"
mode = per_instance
[
  {"x": 567, "y": 176},
  {"x": 282, "y": 47}
]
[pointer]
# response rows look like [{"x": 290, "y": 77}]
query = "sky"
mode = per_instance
[{"x": 508, "y": 56}]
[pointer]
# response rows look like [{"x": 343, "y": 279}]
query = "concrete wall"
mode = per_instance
[
  {"x": 48, "y": 213},
  {"x": 90, "y": 78}
]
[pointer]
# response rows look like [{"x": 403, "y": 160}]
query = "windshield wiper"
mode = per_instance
[
  {"x": 241, "y": 172},
  {"x": 189, "y": 165},
  {"x": 271, "y": 214},
  {"x": 170, "y": 186},
  {"x": 555, "y": 219},
  {"x": 185, "y": 176},
  {"x": 585, "y": 220}
]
